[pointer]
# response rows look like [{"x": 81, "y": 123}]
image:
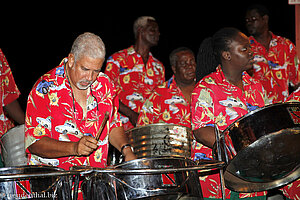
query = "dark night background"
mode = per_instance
[{"x": 35, "y": 37}]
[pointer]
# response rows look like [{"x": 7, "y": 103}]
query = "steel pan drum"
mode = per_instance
[
  {"x": 161, "y": 140},
  {"x": 33, "y": 182},
  {"x": 13, "y": 147},
  {"x": 147, "y": 178},
  {"x": 157, "y": 184},
  {"x": 262, "y": 148}
]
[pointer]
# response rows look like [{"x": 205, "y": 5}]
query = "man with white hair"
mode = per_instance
[
  {"x": 67, "y": 107},
  {"x": 135, "y": 71}
]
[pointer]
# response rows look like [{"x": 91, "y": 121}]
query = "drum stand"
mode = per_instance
[{"x": 222, "y": 181}]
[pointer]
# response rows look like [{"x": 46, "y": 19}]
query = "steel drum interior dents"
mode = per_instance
[
  {"x": 177, "y": 185},
  {"x": 161, "y": 140},
  {"x": 13, "y": 147},
  {"x": 37, "y": 187},
  {"x": 262, "y": 148}
]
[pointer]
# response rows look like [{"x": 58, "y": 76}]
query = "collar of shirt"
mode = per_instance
[
  {"x": 222, "y": 79},
  {"x": 131, "y": 51},
  {"x": 273, "y": 41}
]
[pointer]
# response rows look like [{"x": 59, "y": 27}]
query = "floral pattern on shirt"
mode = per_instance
[
  {"x": 133, "y": 79},
  {"x": 292, "y": 190},
  {"x": 167, "y": 104},
  {"x": 8, "y": 92},
  {"x": 277, "y": 67}
]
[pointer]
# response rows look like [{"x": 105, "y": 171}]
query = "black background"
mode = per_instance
[{"x": 36, "y": 37}]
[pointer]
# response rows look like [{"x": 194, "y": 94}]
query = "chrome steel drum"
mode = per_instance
[
  {"x": 161, "y": 185},
  {"x": 34, "y": 182},
  {"x": 262, "y": 148},
  {"x": 13, "y": 147},
  {"x": 161, "y": 140},
  {"x": 148, "y": 178}
]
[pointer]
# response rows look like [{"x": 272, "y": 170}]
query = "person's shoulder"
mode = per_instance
[
  {"x": 157, "y": 62},
  {"x": 103, "y": 79},
  {"x": 282, "y": 40},
  {"x": 50, "y": 78}
]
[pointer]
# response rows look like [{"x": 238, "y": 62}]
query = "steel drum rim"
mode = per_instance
[
  {"x": 11, "y": 176},
  {"x": 205, "y": 166},
  {"x": 255, "y": 111},
  {"x": 156, "y": 158},
  {"x": 156, "y": 124},
  {"x": 255, "y": 187}
]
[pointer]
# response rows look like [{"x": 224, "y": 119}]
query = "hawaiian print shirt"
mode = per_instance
[
  {"x": 277, "y": 67},
  {"x": 52, "y": 111},
  {"x": 8, "y": 92},
  {"x": 216, "y": 101},
  {"x": 133, "y": 79},
  {"x": 167, "y": 104},
  {"x": 292, "y": 190}
]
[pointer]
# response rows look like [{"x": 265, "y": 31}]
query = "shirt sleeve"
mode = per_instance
[
  {"x": 202, "y": 107},
  {"x": 112, "y": 70},
  {"x": 115, "y": 122},
  {"x": 38, "y": 116},
  {"x": 146, "y": 113},
  {"x": 9, "y": 87},
  {"x": 293, "y": 64}
]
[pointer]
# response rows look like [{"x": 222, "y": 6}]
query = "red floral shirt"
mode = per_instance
[
  {"x": 134, "y": 80},
  {"x": 277, "y": 67},
  {"x": 53, "y": 112},
  {"x": 167, "y": 104},
  {"x": 216, "y": 101},
  {"x": 292, "y": 190},
  {"x": 8, "y": 92}
]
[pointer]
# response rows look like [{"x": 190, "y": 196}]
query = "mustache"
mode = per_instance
[{"x": 85, "y": 81}]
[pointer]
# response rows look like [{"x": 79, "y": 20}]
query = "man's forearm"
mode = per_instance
[
  {"x": 205, "y": 135},
  {"x": 15, "y": 111},
  {"x": 50, "y": 148},
  {"x": 125, "y": 110}
]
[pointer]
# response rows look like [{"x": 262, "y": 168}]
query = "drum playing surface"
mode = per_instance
[{"x": 262, "y": 148}]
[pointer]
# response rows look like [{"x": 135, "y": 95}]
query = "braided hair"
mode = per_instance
[{"x": 210, "y": 51}]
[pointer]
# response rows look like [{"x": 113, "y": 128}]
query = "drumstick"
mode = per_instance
[{"x": 102, "y": 125}]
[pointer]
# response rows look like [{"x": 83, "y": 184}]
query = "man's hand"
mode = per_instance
[
  {"x": 128, "y": 154},
  {"x": 85, "y": 146}
]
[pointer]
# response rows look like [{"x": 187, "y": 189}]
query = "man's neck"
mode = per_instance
[
  {"x": 186, "y": 89},
  {"x": 264, "y": 39},
  {"x": 143, "y": 50}
]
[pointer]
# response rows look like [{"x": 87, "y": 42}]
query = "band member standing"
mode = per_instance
[{"x": 135, "y": 71}]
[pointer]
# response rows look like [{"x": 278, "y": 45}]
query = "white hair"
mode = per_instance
[
  {"x": 141, "y": 22},
  {"x": 88, "y": 44}
]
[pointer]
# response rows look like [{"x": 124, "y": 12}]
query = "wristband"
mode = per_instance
[{"x": 124, "y": 147}]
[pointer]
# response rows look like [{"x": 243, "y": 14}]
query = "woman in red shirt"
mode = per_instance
[{"x": 224, "y": 93}]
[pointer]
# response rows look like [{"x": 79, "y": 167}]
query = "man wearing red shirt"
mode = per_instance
[
  {"x": 135, "y": 72},
  {"x": 276, "y": 59},
  {"x": 170, "y": 102},
  {"x": 9, "y": 93},
  {"x": 66, "y": 107}
]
